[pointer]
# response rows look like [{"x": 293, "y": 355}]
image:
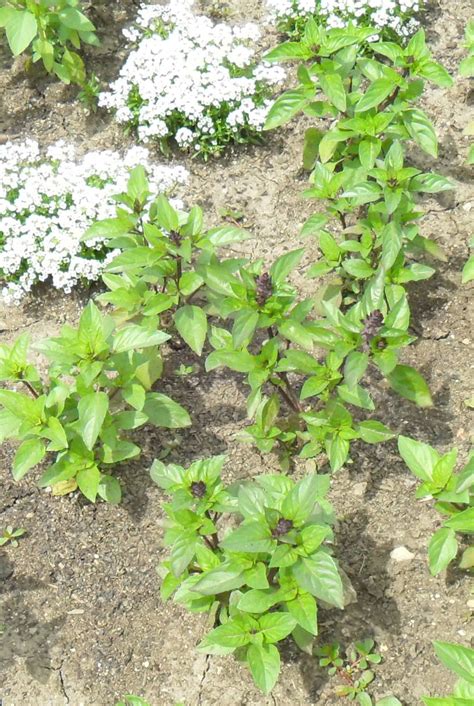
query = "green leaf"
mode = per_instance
[
  {"x": 73, "y": 19},
  {"x": 466, "y": 477},
  {"x": 92, "y": 411},
  {"x": 430, "y": 183},
  {"x": 419, "y": 457},
  {"x": 305, "y": 611},
  {"x": 166, "y": 216},
  {"x": 296, "y": 333},
  {"x": 299, "y": 502},
  {"x": 133, "y": 336},
  {"x": 285, "y": 107},
  {"x": 226, "y": 577},
  {"x": 358, "y": 268},
  {"x": 288, "y": 51},
  {"x": 312, "y": 138},
  {"x": 436, "y": 73},
  {"x": 191, "y": 322},
  {"x": 468, "y": 271},
  {"x": 137, "y": 187},
  {"x": 369, "y": 150},
  {"x": 319, "y": 576},
  {"x": 21, "y": 406},
  {"x": 88, "y": 480},
  {"x": 462, "y": 522},
  {"x": 245, "y": 323},
  {"x": 282, "y": 267},
  {"x": 391, "y": 244},
  {"x": 110, "y": 489},
  {"x": 264, "y": 663},
  {"x": 313, "y": 224},
  {"x": 240, "y": 361},
  {"x": 255, "y": 601},
  {"x": 162, "y": 411},
  {"x": 276, "y": 626},
  {"x": 252, "y": 537},
  {"x": 333, "y": 87},
  {"x": 21, "y": 29},
  {"x": 410, "y": 384},
  {"x": 442, "y": 549},
  {"x": 29, "y": 454},
  {"x": 226, "y": 235},
  {"x": 183, "y": 552},
  {"x": 9, "y": 425},
  {"x": 231, "y": 634},
  {"x": 337, "y": 449},
  {"x": 421, "y": 130},
  {"x": 448, "y": 701},
  {"x": 467, "y": 559},
  {"x": 354, "y": 367},
  {"x": 373, "y": 432},
  {"x": 303, "y": 639},
  {"x": 5, "y": 14},
  {"x": 357, "y": 396},
  {"x": 380, "y": 89},
  {"x": 457, "y": 658}
]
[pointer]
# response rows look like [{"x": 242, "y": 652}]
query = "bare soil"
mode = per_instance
[{"x": 79, "y": 605}]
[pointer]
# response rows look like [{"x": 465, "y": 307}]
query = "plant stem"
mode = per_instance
[
  {"x": 289, "y": 393},
  {"x": 30, "y": 388},
  {"x": 286, "y": 392},
  {"x": 272, "y": 575},
  {"x": 214, "y": 541}
]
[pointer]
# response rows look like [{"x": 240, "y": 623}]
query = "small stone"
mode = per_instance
[
  {"x": 359, "y": 489},
  {"x": 401, "y": 554},
  {"x": 470, "y": 604}
]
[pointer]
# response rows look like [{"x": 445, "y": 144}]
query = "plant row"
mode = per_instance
[{"x": 259, "y": 555}]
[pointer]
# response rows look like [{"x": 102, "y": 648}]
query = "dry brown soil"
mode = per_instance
[{"x": 82, "y": 619}]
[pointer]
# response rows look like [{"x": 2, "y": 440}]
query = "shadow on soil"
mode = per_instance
[
  {"x": 371, "y": 616},
  {"x": 22, "y": 634}
]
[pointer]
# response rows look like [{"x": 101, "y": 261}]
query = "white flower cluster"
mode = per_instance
[
  {"x": 392, "y": 16},
  {"x": 47, "y": 202},
  {"x": 192, "y": 80}
]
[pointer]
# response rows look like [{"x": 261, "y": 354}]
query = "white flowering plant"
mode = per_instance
[
  {"x": 191, "y": 81},
  {"x": 48, "y": 200},
  {"x": 394, "y": 19}
]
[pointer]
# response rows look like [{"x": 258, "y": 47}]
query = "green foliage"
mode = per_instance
[
  {"x": 358, "y": 166},
  {"x": 99, "y": 385},
  {"x": 368, "y": 236},
  {"x": 353, "y": 668},
  {"x": 163, "y": 254},
  {"x": 130, "y": 700},
  {"x": 51, "y": 29},
  {"x": 468, "y": 269},
  {"x": 453, "y": 494},
  {"x": 263, "y": 577},
  {"x": 11, "y": 535},
  {"x": 459, "y": 660},
  {"x": 275, "y": 336}
]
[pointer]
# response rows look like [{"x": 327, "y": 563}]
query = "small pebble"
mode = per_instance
[{"x": 401, "y": 554}]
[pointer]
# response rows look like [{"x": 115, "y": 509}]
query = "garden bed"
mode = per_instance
[{"x": 79, "y": 595}]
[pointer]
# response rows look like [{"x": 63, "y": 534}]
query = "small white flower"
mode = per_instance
[
  {"x": 48, "y": 202},
  {"x": 397, "y": 15},
  {"x": 186, "y": 74}
]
